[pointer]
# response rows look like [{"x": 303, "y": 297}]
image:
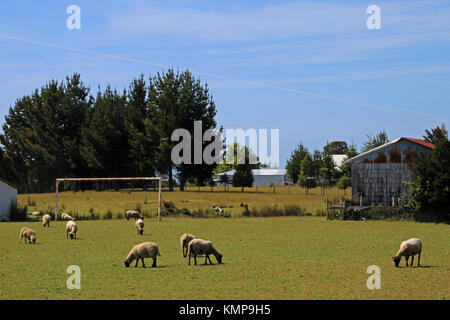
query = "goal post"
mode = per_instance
[{"x": 159, "y": 179}]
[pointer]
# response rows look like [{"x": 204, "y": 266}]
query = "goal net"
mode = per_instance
[{"x": 158, "y": 179}]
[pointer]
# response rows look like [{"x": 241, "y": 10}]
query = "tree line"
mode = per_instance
[{"x": 62, "y": 130}]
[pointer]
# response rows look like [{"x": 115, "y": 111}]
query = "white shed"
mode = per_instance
[
  {"x": 8, "y": 197},
  {"x": 262, "y": 177}
]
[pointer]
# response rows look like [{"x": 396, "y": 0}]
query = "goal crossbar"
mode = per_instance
[{"x": 159, "y": 179}]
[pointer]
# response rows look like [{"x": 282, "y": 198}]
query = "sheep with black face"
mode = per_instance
[
  {"x": 141, "y": 251},
  {"x": 408, "y": 248}
]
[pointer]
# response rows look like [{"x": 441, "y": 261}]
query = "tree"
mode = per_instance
[
  {"x": 436, "y": 134},
  {"x": 344, "y": 182},
  {"x": 243, "y": 176},
  {"x": 336, "y": 147},
  {"x": 306, "y": 175},
  {"x": 105, "y": 146},
  {"x": 225, "y": 180},
  {"x": 430, "y": 188},
  {"x": 346, "y": 168},
  {"x": 178, "y": 100},
  {"x": 375, "y": 141},
  {"x": 295, "y": 159}
]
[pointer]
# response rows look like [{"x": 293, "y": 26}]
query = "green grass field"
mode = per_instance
[{"x": 264, "y": 258}]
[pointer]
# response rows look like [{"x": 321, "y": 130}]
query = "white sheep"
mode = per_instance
[
  {"x": 35, "y": 213},
  {"x": 141, "y": 251},
  {"x": 139, "y": 226},
  {"x": 27, "y": 233},
  {"x": 184, "y": 240},
  {"x": 65, "y": 216},
  {"x": 71, "y": 230},
  {"x": 408, "y": 248},
  {"x": 133, "y": 214},
  {"x": 202, "y": 247},
  {"x": 46, "y": 220}
]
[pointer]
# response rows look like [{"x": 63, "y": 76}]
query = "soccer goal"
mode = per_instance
[{"x": 159, "y": 179}]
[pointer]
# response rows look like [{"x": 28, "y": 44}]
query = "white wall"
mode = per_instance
[{"x": 8, "y": 195}]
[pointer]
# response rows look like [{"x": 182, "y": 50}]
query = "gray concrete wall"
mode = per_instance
[
  {"x": 379, "y": 182},
  {"x": 8, "y": 195}
]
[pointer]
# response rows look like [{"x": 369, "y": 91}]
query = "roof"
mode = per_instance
[
  {"x": 417, "y": 141},
  {"x": 8, "y": 183},
  {"x": 259, "y": 172}
]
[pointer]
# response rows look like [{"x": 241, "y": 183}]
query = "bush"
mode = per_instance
[
  {"x": 275, "y": 211},
  {"x": 108, "y": 215},
  {"x": 18, "y": 212}
]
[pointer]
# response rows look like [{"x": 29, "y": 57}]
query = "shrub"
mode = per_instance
[{"x": 18, "y": 212}]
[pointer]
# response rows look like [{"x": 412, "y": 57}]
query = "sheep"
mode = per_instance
[
  {"x": 27, "y": 233},
  {"x": 65, "y": 216},
  {"x": 184, "y": 240},
  {"x": 141, "y": 251},
  {"x": 133, "y": 214},
  {"x": 200, "y": 247},
  {"x": 46, "y": 220},
  {"x": 408, "y": 248},
  {"x": 140, "y": 226},
  {"x": 71, "y": 229},
  {"x": 35, "y": 213}
]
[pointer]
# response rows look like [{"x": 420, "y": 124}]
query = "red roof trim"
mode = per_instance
[{"x": 421, "y": 142}]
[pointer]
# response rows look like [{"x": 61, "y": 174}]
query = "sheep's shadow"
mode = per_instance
[{"x": 418, "y": 267}]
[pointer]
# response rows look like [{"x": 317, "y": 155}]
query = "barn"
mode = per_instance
[
  {"x": 8, "y": 197},
  {"x": 378, "y": 174},
  {"x": 262, "y": 177}
]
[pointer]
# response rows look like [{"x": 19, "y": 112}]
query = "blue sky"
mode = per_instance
[{"x": 309, "y": 68}]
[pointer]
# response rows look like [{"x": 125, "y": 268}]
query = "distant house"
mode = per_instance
[
  {"x": 262, "y": 177},
  {"x": 378, "y": 174},
  {"x": 338, "y": 159},
  {"x": 8, "y": 197}
]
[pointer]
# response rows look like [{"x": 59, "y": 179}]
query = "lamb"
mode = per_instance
[
  {"x": 184, "y": 240},
  {"x": 140, "y": 226},
  {"x": 46, "y": 220},
  {"x": 133, "y": 214},
  {"x": 71, "y": 229},
  {"x": 65, "y": 216},
  {"x": 27, "y": 233},
  {"x": 408, "y": 248},
  {"x": 141, "y": 251},
  {"x": 200, "y": 247}
]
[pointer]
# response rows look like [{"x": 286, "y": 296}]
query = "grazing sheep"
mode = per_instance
[
  {"x": 46, "y": 220},
  {"x": 408, "y": 248},
  {"x": 140, "y": 226},
  {"x": 133, "y": 214},
  {"x": 200, "y": 247},
  {"x": 35, "y": 213},
  {"x": 141, "y": 251},
  {"x": 67, "y": 217},
  {"x": 71, "y": 229},
  {"x": 184, "y": 240},
  {"x": 27, "y": 233}
]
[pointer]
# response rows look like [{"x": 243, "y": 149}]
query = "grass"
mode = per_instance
[
  {"x": 102, "y": 202},
  {"x": 264, "y": 258}
]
